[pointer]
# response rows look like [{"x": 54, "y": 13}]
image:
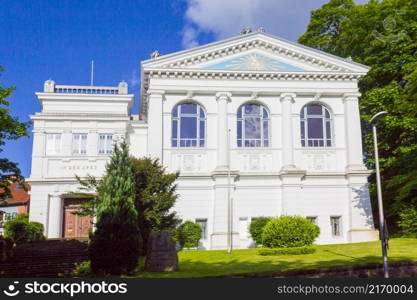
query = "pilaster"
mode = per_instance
[
  {"x": 155, "y": 123},
  {"x": 287, "y": 99},
  {"x": 353, "y": 134},
  {"x": 222, "y": 130},
  {"x": 55, "y": 213}
]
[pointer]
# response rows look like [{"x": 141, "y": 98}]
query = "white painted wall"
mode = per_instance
[{"x": 284, "y": 178}]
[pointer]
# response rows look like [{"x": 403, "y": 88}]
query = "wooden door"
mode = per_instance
[{"x": 75, "y": 225}]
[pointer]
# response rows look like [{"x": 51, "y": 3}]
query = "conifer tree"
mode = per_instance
[
  {"x": 155, "y": 196},
  {"x": 116, "y": 242}
]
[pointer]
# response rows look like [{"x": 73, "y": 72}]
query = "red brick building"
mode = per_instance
[{"x": 15, "y": 205}]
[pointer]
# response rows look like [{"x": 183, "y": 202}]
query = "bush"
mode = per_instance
[
  {"x": 256, "y": 227},
  {"x": 289, "y": 231},
  {"x": 188, "y": 234},
  {"x": 82, "y": 269},
  {"x": 21, "y": 231},
  {"x": 6, "y": 248},
  {"x": 408, "y": 221},
  {"x": 287, "y": 251}
]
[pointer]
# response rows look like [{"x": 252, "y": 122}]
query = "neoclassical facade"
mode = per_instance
[{"x": 256, "y": 125}]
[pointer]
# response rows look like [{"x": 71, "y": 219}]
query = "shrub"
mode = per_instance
[
  {"x": 188, "y": 234},
  {"x": 256, "y": 227},
  {"x": 408, "y": 221},
  {"x": 289, "y": 231},
  {"x": 287, "y": 251},
  {"x": 6, "y": 248},
  {"x": 82, "y": 269},
  {"x": 21, "y": 231}
]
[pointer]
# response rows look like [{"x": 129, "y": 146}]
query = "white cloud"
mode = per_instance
[
  {"x": 226, "y": 18},
  {"x": 134, "y": 78}
]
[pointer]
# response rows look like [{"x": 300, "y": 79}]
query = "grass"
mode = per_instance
[{"x": 205, "y": 263}]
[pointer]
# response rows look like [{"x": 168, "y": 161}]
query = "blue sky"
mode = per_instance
[{"x": 42, "y": 39}]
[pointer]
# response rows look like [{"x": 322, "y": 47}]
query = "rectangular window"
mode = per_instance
[
  {"x": 243, "y": 228},
  {"x": 203, "y": 224},
  {"x": 53, "y": 143},
  {"x": 336, "y": 223},
  {"x": 313, "y": 219},
  {"x": 105, "y": 144},
  {"x": 79, "y": 143}
]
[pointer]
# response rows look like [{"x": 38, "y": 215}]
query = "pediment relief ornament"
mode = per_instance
[{"x": 273, "y": 46}]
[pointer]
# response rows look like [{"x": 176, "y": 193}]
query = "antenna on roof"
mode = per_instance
[{"x": 92, "y": 73}]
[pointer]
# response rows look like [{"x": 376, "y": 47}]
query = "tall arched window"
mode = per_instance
[
  {"x": 316, "y": 126},
  {"x": 188, "y": 125},
  {"x": 252, "y": 126}
]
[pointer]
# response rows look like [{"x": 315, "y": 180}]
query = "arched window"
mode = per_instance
[
  {"x": 252, "y": 126},
  {"x": 188, "y": 125},
  {"x": 316, "y": 126}
]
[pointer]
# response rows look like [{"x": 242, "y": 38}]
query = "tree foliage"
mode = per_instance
[
  {"x": 189, "y": 234},
  {"x": 115, "y": 244},
  {"x": 10, "y": 129},
  {"x": 155, "y": 195},
  {"x": 382, "y": 35},
  {"x": 256, "y": 227},
  {"x": 21, "y": 231}
]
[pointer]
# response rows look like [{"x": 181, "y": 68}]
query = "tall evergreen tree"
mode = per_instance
[
  {"x": 115, "y": 244},
  {"x": 383, "y": 35},
  {"x": 154, "y": 197}
]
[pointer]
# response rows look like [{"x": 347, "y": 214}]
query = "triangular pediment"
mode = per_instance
[
  {"x": 256, "y": 52},
  {"x": 253, "y": 62}
]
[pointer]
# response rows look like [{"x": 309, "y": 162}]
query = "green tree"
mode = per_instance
[
  {"x": 382, "y": 35},
  {"x": 10, "y": 129},
  {"x": 115, "y": 244},
  {"x": 155, "y": 196}
]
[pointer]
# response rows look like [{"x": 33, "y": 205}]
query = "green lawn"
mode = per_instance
[{"x": 204, "y": 263}]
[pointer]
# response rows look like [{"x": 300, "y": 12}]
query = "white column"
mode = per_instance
[
  {"x": 155, "y": 124},
  {"x": 222, "y": 130},
  {"x": 287, "y": 131},
  {"x": 353, "y": 133},
  {"x": 55, "y": 216}
]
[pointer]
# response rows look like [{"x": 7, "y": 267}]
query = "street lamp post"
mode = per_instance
[
  {"x": 229, "y": 201},
  {"x": 382, "y": 229}
]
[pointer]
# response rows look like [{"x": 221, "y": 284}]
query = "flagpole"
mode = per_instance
[{"x": 92, "y": 73}]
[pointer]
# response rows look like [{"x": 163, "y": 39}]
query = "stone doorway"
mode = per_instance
[{"x": 75, "y": 226}]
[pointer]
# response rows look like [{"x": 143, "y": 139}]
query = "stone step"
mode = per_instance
[{"x": 49, "y": 258}]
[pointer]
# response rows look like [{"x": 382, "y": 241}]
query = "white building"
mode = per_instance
[{"x": 295, "y": 138}]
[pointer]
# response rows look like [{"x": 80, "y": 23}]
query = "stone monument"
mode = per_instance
[{"x": 161, "y": 253}]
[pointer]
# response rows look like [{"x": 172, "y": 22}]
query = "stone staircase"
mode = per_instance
[{"x": 49, "y": 258}]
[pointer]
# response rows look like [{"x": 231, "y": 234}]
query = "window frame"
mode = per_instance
[
  {"x": 315, "y": 218},
  {"x": 200, "y": 141},
  {"x": 246, "y": 235},
  {"x": 54, "y": 141},
  {"x": 339, "y": 218},
  {"x": 304, "y": 118},
  {"x": 80, "y": 143},
  {"x": 242, "y": 121},
  {"x": 106, "y": 150},
  {"x": 204, "y": 235}
]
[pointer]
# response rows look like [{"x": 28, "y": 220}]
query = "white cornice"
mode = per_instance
[
  {"x": 251, "y": 75},
  {"x": 263, "y": 41}
]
